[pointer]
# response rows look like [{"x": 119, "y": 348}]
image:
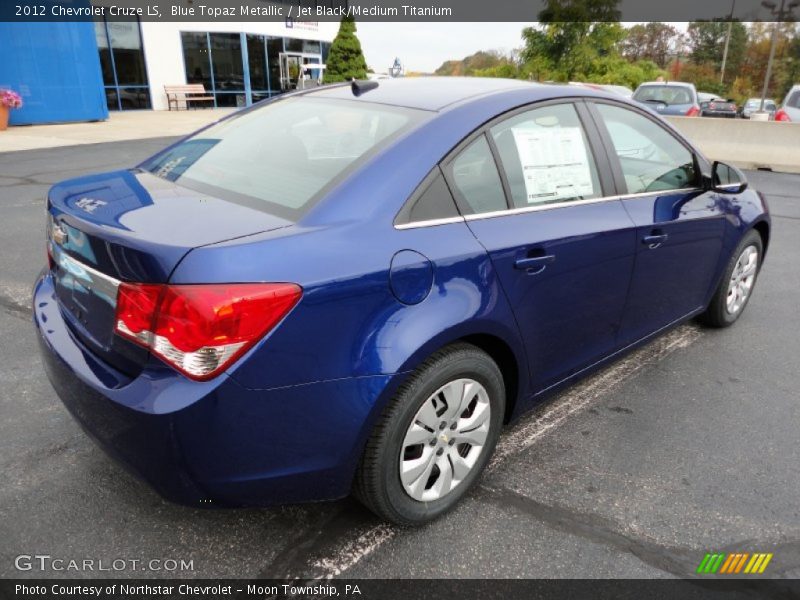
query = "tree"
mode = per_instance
[
  {"x": 707, "y": 43},
  {"x": 572, "y": 35},
  {"x": 650, "y": 41},
  {"x": 481, "y": 63},
  {"x": 345, "y": 58}
]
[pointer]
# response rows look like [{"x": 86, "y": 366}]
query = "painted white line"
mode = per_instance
[
  {"x": 524, "y": 434},
  {"x": 581, "y": 395},
  {"x": 352, "y": 551}
]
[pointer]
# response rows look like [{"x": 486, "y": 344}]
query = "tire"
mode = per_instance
[
  {"x": 721, "y": 312},
  {"x": 460, "y": 370}
]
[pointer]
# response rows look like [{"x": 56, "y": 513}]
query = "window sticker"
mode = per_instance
[{"x": 554, "y": 162}]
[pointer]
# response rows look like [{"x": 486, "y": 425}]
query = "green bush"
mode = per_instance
[{"x": 345, "y": 59}]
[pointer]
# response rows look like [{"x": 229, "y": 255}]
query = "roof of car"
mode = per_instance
[
  {"x": 668, "y": 83},
  {"x": 427, "y": 93}
]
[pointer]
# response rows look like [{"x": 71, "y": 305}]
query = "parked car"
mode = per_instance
[
  {"x": 706, "y": 97},
  {"x": 790, "y": 110},
  {"x": 754, "y": 104},
  {"x": 669, "y": 98},
  {"x": 354, "y": 287},
  {"x": 718, "y": 107}
]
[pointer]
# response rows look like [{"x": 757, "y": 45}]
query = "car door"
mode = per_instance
[
  {"x": 535, "y": 195},
  {"x": 680, "y": 227}
]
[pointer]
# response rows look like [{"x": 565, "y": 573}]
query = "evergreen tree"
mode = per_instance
[{"x": 345, "y": 59}]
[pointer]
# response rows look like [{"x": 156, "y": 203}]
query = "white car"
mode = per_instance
[{"x": 790, "y": 111}]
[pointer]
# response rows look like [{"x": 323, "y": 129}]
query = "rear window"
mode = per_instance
[
  {"x": 668, "y": 94},
  {"x": 280, "y": 157}
]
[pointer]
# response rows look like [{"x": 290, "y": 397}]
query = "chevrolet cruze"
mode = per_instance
[{"x": 352, "y": 289}]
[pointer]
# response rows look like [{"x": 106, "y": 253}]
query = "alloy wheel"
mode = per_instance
[{"x": 742, "y": 280}]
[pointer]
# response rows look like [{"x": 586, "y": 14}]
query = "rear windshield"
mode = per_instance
[
  {"x": 668, "y": 94},
  {"x": 280, "y": 157}
]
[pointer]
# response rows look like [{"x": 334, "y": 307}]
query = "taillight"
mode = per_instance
[
  {"x": 201, "y": 329},
  {"x": 693, "y": 111},
  {"x": 781, "y": 115}
]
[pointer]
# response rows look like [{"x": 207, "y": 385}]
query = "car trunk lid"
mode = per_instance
[{"x": 130, "y": 226}]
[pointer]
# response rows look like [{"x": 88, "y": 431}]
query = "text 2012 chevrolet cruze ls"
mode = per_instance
[{"x": 353, "y": 289}]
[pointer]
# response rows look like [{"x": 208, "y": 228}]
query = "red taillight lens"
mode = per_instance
[
  {"x": 201, "y": 329},
  {"x": 782, "y": 116},
  {"x": 693, "y": 112},
  {"x": 136, "y": 310}
]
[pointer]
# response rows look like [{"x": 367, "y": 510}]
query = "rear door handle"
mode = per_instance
[
  {"x": 655, "y": 240},
  {"x": 534, "y": 264}
]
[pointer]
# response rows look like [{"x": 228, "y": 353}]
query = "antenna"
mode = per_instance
[{"x": 361, "y": 87}]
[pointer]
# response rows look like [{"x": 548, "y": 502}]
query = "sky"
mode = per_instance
[{"x": 425, "y": 46}]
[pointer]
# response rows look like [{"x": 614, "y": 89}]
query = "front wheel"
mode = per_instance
[
  {"x": 434, "y": 438},
  {"x": 737, "y": 283}
]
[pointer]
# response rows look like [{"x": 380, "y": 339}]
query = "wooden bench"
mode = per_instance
[{"x": 192, "y": 92}]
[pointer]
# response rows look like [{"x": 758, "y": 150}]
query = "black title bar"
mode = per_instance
[{"x": 386, "y": 10}]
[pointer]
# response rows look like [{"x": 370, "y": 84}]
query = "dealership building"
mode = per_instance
[{"x": 79, "y": 71}]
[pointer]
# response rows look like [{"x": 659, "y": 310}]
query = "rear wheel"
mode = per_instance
[
  {"x": 434, "y": 438},
  {"x": 737, "y": 283}
]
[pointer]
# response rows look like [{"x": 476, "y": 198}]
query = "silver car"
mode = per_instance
[
  {"x": 674, "y": 98},
  {"x": 754, "y": 104},
  {"x": 790, "y": 111}
]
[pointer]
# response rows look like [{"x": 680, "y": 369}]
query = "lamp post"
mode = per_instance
[
  {"x": 780, "y": 15},
  {"x": 727, "y": 43}
]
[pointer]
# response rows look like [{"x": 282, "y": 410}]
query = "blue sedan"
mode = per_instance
[{"x": 352, "y": 289}]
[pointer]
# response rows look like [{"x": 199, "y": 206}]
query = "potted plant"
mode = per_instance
[{"x": 8, "y": 100}]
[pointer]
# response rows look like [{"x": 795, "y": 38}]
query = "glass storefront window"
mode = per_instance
[
  {"x": 274, "y": 49},
  {"x": 217, "y": 61},
  {"x": 128, "y": 54},
  {"x": 226, "y": 61},
  {"x": 293, "y": 45},
  {"x": 134, "y": 98},
  {"x": 122, "y": 62},
  {"x": 195, "y": 58},
  {"x": 105, "y": 53},
  {"x": 311, "y": 46},
  {"x": 257, "y": 58}
]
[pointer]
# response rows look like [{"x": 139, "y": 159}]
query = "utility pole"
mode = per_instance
[
  {"x": 780, "y": 15},
  {"x": 727, "y": 43}
]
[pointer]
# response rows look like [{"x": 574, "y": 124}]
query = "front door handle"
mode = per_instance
[
  {"x": 655, "y": 240},
  {"x": 534, "y": 264}
]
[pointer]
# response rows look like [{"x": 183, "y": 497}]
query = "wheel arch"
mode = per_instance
[
  {"x": 763, "y": 229},
  {"x": 505, "y": 359}
]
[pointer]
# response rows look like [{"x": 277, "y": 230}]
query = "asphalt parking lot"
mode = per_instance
[{"x": 687, "y": 446}]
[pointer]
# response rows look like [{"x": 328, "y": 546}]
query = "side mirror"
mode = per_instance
[{"x": 725, "y": 179}]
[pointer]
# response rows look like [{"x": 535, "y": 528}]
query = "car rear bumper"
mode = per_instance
[{"x": 211, "y": 443}]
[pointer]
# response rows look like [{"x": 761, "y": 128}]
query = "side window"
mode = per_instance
[
  {"x": 435, "y": 202},
  {"x": 546, "y": 157},
  {"x": 794, "y": 100},
  {"x": 652, "y": 160},
  {"x": 477, "y": 182}
]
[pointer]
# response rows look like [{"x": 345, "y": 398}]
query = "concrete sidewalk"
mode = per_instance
[{"x": 131, "y": 125}]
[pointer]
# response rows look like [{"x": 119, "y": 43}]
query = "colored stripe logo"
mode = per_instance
[{"x": 734, "y": 563}]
